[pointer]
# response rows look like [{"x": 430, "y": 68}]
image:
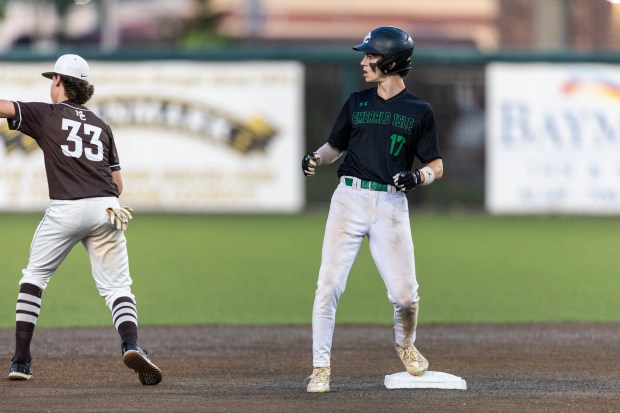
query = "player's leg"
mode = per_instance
[
  {"x": 391, "y": 247},
  {"x": 344, "y": 231},
  {"x": 54, "y": 238},
  {"x": 26, "y": 316},
  {"x": 107, "y": 250}
]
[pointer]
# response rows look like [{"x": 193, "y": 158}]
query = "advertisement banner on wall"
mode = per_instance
[
  {"x": 191, "y": 136},
  {"x": 553, "y": 138}
]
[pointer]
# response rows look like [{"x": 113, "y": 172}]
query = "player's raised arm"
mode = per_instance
[{"x": 7, "y": 109}]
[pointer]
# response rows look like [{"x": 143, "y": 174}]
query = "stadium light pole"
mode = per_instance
[
  {"x": 110, "y": 36},
  {"x": 615, "y": 23},
  {"x": 551, "y": 19}
]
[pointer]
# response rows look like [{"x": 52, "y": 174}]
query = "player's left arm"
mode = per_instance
[
  {"x": 431, "y": 171},
  {"x": 119, "y": 217},
  {"x": 408, "y": 180},
  {"x": 118, "y": 180}
]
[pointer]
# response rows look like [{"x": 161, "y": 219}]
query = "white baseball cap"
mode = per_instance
[{"x": 70, "y": 65}]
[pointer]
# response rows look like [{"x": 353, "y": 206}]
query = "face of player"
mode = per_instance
[{"x": 369, "y": 67}]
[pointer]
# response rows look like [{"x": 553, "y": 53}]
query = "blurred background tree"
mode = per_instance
[
  {"x": 111, "y": 24},
  {"x": 201, "y": 28},
  {"x": 3, "y": 4},
  {"x": 62, "y": 8}
]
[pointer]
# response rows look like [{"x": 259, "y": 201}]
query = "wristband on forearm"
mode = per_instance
[{"x": 429, "y": 175}]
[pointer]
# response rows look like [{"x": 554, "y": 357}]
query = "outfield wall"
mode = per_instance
[
  {"x": 553, "y": 138},
  {"x": 453, "y": 80},
  {"x": 191, "y": 136}
]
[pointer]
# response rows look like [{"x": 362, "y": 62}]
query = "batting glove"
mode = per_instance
[
  {"x": 119, "y": 217},
  {"x": 309, "y": 163},
  {"x": 407, "y": 180}
]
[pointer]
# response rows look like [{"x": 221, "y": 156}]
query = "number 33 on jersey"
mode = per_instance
[{"x": 74, "y": 141}]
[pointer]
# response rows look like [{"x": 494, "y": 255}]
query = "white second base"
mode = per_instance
[{"x": 430, "y": 380}]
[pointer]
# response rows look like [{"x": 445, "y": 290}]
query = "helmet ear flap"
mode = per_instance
[
  {"x": 401, "y": 60},
  {"x": 385, "y": 63}
]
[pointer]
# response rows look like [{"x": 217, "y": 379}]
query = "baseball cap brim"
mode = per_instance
[{"x": 48, "y": 75}]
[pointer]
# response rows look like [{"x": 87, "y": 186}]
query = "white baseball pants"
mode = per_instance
[
  {"x": 84, "y": 220},
  {"x": 384, "y": 217}
]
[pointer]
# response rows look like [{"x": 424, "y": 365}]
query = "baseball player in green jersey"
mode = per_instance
[
  {"x": 382, "y": 130},
  {"x": 84, "y": 180}
]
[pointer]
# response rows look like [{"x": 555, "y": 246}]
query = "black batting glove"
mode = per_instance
[
  {"x": 407, "y": 180},
  {"x": 309, "y": 163}
]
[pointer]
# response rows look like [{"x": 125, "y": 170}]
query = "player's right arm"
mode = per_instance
[
  {"x": 7, "y": 109},
  {"x": 325, "y": 155}
]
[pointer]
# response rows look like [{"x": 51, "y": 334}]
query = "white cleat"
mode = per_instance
[
  {"x": 414, "y": 362},
  {"x": 319, "y": 380}
]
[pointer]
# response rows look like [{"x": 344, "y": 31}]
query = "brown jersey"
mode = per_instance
[{"x": 78, "y": 147}]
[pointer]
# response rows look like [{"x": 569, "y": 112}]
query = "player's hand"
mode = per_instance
[
  {"x": 407, "y": 180},
  {"x": 309, "y": 163},
  {"x": 119, "y": 217}
]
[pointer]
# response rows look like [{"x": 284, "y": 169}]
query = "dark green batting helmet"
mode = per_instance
[{"x": 394, "y": 44}]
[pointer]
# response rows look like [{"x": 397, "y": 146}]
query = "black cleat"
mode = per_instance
[
  {"x": 135, "y": 358},
  {"x": 20, "y": 369}
]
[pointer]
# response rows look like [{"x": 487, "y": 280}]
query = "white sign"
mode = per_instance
[
  {"x": 553, "y": 138},
  {"x": 191, "y": 136}
]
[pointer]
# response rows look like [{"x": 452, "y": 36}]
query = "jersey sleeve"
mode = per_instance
[
  {"x": 427, "y": 147},
  {"x": 341, "y": 131},
  {"x": 28, "y": 118}
]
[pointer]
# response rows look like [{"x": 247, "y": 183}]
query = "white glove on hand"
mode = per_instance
[{"x": 119, "y": 217}]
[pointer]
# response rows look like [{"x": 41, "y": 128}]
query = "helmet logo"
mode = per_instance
[{"x": 367, "y": 38}]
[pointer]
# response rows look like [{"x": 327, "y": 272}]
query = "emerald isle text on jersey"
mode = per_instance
[{"x": 383, "y": 118}]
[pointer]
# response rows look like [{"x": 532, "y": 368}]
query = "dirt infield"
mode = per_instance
[{"x": 518, "y": 368}]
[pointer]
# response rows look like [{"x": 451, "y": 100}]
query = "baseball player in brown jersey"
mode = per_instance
[
  {"x": 382, "y": 130},
  {"x": 84, "y": 180}
]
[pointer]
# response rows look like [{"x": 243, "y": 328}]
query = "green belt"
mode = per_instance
[{"x": 375, "y": 186}]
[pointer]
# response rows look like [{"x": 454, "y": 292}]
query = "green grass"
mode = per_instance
[{"x": 211, "y": 269}]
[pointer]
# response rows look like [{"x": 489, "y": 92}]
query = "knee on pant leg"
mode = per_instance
[
  {"x": 327, "y": 295},
  {"x": 405, "y": 305}
]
